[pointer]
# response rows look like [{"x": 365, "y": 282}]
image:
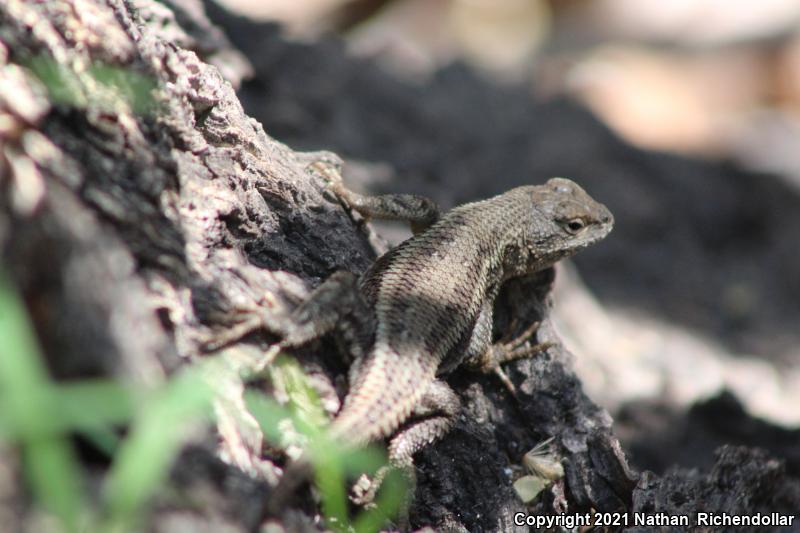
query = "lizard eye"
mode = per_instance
[{"x": 574, "y": 225}]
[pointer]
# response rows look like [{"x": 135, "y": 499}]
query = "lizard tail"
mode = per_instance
[{"x": 387, "y": 388}]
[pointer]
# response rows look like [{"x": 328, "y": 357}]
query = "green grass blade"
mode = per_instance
[
  {"x": 51, "y": 469},
  {"x": 28, "y": 415},
  {"x": 332, "y": 464},
  {"x": 330, "y": 480},
  {"x": 92, "y": 405},
  {"x": 268, "y": 413},
  {"x": 21, "y": 370},
  {"x": 144, "y": 458}
]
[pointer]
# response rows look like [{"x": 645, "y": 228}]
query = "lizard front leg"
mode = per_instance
[{"x": 486, "y": 357}]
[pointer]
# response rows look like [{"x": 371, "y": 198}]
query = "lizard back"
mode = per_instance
[{"x": 426, "y": 294}]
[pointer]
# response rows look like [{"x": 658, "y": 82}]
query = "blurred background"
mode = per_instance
[
  {"x": 683, "y": 117},
  {"x": 711, "y": 78}
]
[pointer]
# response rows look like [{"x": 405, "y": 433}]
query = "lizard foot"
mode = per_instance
[
  {"x": 508, "y": 350},
  {"x": 328, "y": 166},
  {"x": 218, "y": 339},
  {"x": 420, "y": 212},
  {"x": 364, "y": 490}
]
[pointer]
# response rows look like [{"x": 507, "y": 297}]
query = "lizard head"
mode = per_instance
[{"x": 566, "y": 219}]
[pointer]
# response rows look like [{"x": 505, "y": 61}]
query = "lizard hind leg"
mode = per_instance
[
  {"x": 419, "y": 211},
  {"x": 336, "y": 305},
  {"x": 431, "y": 419}
]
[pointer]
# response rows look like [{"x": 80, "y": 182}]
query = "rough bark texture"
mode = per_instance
[
  {"x": 132, "y": 234},
  {"x": 129, "y": 234}
]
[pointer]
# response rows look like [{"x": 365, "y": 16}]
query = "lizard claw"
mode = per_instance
[
  {"x": 363, "y": 492},
  {"x": 329, "y": 167},
  {"x": 217, "y": 340},
  {"x": 517, "y": 347},
  {"x": 508, "y": 350},
  {"x": 500, "y": 373}
]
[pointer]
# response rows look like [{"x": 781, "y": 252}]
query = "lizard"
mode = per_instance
[{"x": 425, "y": 307}]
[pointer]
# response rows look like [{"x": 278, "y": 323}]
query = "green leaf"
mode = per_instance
[{"x": 529, "y": 487}]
